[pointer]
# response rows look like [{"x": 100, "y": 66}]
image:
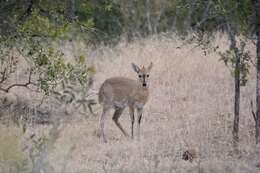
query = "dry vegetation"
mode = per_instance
[{"x": 190, "y": 108}]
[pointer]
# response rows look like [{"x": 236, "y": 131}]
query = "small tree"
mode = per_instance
[
  {"x": 33, "y": 28},
  {"x": 256, "y": 25},
  {"x": 231, "y": 17}
]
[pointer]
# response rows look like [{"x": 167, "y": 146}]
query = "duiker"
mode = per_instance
[{"x": 119, "y": 92}]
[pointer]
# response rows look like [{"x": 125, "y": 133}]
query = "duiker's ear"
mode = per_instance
[
  {"x": 150, "y": 67},
  {"x": 136, "y": 68}
]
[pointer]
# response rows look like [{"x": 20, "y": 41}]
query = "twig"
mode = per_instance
[
  {"x": 252, "y": 110},
  {"x": 252, "y": 62},
  {"x": 3, "y": 76},
  {"x": 42, "y": 100}
]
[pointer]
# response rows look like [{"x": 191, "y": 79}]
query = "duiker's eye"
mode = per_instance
[
  {"x": 139, "y": 76},
  {"x": 147, "y": 75}
]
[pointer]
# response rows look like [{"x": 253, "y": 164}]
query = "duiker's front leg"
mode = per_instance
[
  {"x": 139, "y": 118},
  {"x": 132, "y": 117}
]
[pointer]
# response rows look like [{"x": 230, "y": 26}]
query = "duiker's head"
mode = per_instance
[{"x": 143, "y": 73}]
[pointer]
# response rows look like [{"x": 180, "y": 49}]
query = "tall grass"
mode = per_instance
[{"x": 190, "y": 107}]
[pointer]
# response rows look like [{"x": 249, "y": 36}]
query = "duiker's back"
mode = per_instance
[{"x": 117, "y": 89}]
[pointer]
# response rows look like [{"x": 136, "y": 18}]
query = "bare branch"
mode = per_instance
[
  {"x": 252, "y": 110},
  {"x": 252, "y": 62},
  {"x": 2, "y": 89},
  {"x": 3, "y": 76},
  {"x": 19, "y": 85}
]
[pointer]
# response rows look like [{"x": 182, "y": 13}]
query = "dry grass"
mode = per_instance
[
  {"x": 12, "y": 157},
  {"x": 191, "y": 107}
]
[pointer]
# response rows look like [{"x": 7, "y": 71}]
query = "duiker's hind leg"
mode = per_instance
[
  {"x": 117, "y": 114},
  {"x": 102, "y": 119}
]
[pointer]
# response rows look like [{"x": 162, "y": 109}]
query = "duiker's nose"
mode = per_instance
[{"x": 144, "y": 84}]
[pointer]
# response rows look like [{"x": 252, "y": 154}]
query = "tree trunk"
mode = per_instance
[
  {"x": 204, "y": 15},
  {"x": 71, "y": 11},
  {"x": 174, "y": 23},
  {"x": 234, "y": 48},
  {"x": 148, "y": 16},
  {"x": 237, "y": 103},
  {"x": 257, "y": 124},
  {"x": 187, "y": 22},
  {"x": 256, "y": 22}
]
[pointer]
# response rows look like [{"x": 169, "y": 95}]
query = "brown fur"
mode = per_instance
[
  {"x": 121, "y": 92},
  {"x": 120, "y": 89}
]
